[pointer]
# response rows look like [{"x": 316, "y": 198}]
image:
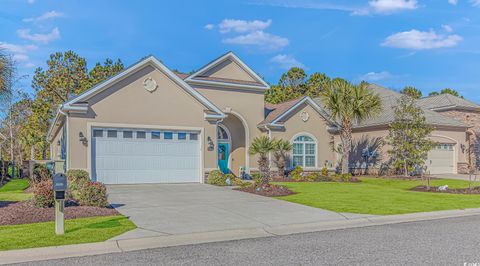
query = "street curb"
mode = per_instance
[{"x": 80, "y": 250}]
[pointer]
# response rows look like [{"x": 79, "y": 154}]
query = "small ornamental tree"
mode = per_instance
[
  {"x": 262, "y": 146},
  {"x": 281, "y": 148},
  {"x": 408, "y": 136}
]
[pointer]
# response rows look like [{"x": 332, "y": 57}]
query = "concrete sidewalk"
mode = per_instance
[
  {"x": 123, "y": 245},
  {"x": 456, "y": 176}
]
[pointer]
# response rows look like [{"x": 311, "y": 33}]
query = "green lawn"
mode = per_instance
[
  {"x": 85, "y": 230},
  {"x": 379, "y": 196},
  {"x": 14, "y": 190}
]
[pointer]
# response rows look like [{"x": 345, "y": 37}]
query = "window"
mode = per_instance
[
  {"x": 182, "y": 135},
  {"x": 168, "y": 135},
  {"x": 127, "y": 134},
  {"x": 222, "y": 133},
  {"x": 141, "y": 134},
  {"x": 155, "y": 135},
  {"x": 111, "y": 133},
  {"x": 193, "y": 136},
  {"x": 98, "y": 133},
  {"x": 304, "y": 151}
]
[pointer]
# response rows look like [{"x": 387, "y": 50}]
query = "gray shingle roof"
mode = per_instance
[
  {"x": 273, "y": 111},
  {"x": 447, "y": 102},
  {"x": 387, "y": 115}
]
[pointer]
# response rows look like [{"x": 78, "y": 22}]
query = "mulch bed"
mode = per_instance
[
  {"x": 268, "y": 191},
  {"x": 475, "y": 190},
  {"x": 286, "y": 179},
  {"x": 24, "y": 212}
]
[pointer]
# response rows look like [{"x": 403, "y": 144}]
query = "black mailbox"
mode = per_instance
[{"x": 59, "y": 185}]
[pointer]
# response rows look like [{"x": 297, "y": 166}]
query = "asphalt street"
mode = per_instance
[{"x": 453, "y": 241}]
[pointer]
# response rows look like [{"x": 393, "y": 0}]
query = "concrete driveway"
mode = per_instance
[{"x": 165, "y": 209}]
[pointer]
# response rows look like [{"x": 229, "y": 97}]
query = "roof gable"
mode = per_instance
[
  {"x": 275, "y": 113},
  {"x": 78, "y": 103},
  {"x": 447, "y": 102},
  {"x": 229, "y": 71}
]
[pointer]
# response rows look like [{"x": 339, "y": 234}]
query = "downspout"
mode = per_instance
[{"x": 67, "y": 146}]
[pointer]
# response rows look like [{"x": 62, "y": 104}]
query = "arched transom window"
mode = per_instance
[
  {"x": 222, "y": 133},
  {"x": 304, "y": 151}
]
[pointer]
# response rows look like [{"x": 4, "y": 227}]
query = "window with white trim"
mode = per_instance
[{"x": 304, "y": 151}]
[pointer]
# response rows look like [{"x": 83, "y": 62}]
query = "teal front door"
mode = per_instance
[{"x": 223, "y": 157}]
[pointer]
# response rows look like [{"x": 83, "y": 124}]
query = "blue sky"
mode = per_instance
[{"x": 427, "y": 44}]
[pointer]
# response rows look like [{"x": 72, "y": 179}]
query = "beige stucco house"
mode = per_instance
[{"x": 148, "y": 124}]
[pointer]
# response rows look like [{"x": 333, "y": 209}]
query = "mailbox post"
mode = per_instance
[{"x": 59, "y": 190}]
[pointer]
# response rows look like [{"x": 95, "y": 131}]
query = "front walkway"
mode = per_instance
[{"x": 169, "y": 209}]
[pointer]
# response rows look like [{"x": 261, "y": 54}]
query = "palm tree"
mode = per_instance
[
  {"x": 348, "y": 103},
  {"x": 281, "y": 148},
  {"x": 261, "y": 146}
]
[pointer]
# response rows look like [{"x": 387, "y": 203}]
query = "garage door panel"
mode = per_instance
[
  {"x": 128, "y": 161},
  {"x": 441, "y": 159}
]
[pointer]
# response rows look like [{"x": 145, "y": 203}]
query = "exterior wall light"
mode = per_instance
[
  {"x": 211, "y": 145},
  {"x": 83, "y": 139}
]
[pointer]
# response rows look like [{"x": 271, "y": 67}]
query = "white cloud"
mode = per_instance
[
  {"x": 374, "y": 6},
  {"x": 31, "y": 1},
  {"x": 38, "y": 37},
  {"x": 29, "y": 65},
  {"x": 250, "y": 33},
  {"x": 241, "y": 26},
  {"x": 453, "y": 2},
  {"x": 48, "y": 15},
  {"x": 376, "y": 76},
  {"x": 390, "y": 6},
  {"x": 286, "y": 61},
  {"x": 475, "y": 2},
  {"x": 263, "y": 40},
  {"x": 19, "y": 52},
  {"x": 447, "y": 28},
  {"x": 421, "y": 40}
]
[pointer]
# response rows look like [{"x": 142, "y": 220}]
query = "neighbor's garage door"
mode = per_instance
[
  {"x": 441, "y": 159},
  {"x": 128, "y": 156}
]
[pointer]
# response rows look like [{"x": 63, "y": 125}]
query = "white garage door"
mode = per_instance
[
  {"x": 441, "y": 159},
  {"x": 129, "y": 156}
]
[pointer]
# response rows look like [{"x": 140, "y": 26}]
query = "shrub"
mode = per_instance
[
  {"x": 93, "y": 194},
  {"x": 296, "y": 174},
  {"x": 40, "y": 173},
  {"x": 324, "y": 171},
  {"x": 217, "y": 178},
  {"x": 76, "y": 178},
  {"x": 342, "y": 177},
  {"x": 43, "y": 194},
  {"x": 324, "y": 178},
  {"x": 257, "y": 179}
]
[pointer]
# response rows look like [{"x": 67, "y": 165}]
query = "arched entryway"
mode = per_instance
[{"x": 231, "y": 143}]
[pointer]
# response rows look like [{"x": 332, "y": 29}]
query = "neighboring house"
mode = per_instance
[
  {"x": 450, "y": 134},
  {"x": 466, "y": 112},
  {"x": 148, "y": 124}
]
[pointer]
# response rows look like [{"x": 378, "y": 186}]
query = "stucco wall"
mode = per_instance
[
  {"x": 372, "y": 137},
  {"x": 315, "y": 125},
  {"x": 472, "y": 119},
  {"x": 230, "y": 70},
  {"x": 128, "y": 103},
  {"x": 248, "y": 106}
]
